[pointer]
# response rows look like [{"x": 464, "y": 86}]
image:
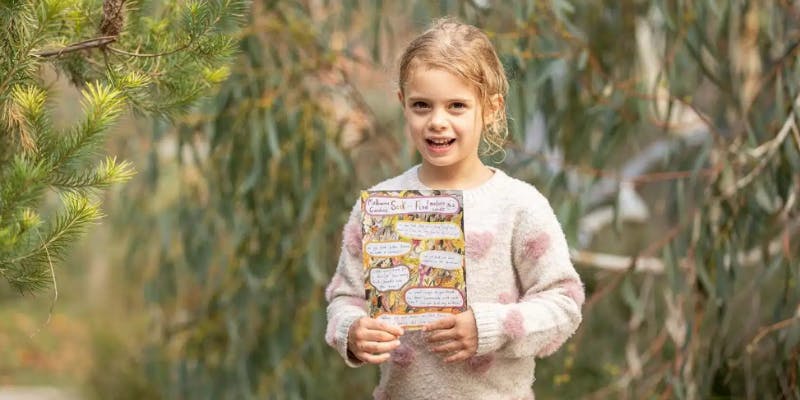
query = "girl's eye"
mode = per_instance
[
  {"x": 419, "y": 105},
  {"x": 458, "y": 106}
]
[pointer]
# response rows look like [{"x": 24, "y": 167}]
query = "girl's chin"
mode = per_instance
[
  {"x": 437, "y": 158},
  {"x": 439, "y": 162}
]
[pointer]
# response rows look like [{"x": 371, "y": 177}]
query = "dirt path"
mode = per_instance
[{"x": 36, "y": 393}]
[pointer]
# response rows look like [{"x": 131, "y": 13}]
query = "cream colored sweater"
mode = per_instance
[{"x": 521, "y": 286}]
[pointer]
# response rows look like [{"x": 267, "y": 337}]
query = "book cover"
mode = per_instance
[{"x": 413, "y": 249}]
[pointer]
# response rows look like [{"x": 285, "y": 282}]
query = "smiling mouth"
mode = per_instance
[{"x": 439, "y": 143}]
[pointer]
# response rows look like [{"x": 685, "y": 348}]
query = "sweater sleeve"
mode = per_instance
[
  {"x": 551, "y": 293},
  {"x": 345, "y": 292}
]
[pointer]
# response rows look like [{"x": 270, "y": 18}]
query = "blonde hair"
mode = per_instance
[{"x": 464, "y": 51}]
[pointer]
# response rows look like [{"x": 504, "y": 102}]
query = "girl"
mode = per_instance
[{"x": 524, "y": 296}]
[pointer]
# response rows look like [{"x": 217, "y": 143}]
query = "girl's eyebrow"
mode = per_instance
[{"x": 453, "y": 100}]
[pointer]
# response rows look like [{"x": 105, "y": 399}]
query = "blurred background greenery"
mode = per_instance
[{"x": 664, "y": 133}]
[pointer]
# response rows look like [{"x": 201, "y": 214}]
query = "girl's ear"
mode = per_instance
[
  {"x": 400, "y": 97},
  {"x": 496, "y": 104}
]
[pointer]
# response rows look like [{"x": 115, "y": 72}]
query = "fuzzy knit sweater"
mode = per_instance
[{"x": 521, "y": 287}]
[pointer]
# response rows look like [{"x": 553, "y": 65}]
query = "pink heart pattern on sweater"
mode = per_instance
[{"x": 537, "y": 246}]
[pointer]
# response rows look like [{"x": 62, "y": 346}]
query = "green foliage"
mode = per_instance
[
  {"x": 25, "y": 270},
  {"x": 119, "y": 368},
  {"x": 249, "y": 228},
  {"x": 37, "y": 158},
  {"x": 691, "y": 107}
]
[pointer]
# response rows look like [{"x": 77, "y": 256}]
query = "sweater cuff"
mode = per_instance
[
  {"x": 490, "y": 332},
  {"x": 341, "y": 337}
]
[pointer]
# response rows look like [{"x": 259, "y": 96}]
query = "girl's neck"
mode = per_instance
[{"x": 454, "y": 176}]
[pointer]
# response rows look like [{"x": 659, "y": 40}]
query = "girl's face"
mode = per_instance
[{"x": 444, "y": 119}]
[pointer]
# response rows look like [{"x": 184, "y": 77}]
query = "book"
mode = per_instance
[{"x": 413, "y": 252}]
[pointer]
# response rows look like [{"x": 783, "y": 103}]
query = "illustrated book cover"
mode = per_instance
[{"x": 413, "y": 250}]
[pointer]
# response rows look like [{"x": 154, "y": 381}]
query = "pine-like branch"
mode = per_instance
[
  {"x": 102, "y": 105},
  {"x": 28, "y": 271},
  {"x": 107, "y": 173},
  {"x": 82, "y": 45},
  {"x": 163, "y": 65}
]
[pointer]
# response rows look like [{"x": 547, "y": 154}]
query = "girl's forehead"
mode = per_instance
[
  {"x": 423, "y": 76},
  {"x": 417, "y": 67}
]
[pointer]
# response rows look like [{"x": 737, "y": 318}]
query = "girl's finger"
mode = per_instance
[
  {"x": 459, "y": 356},
  {"x": 377, "y": 325},
  {"x": 380, "y": 347},
  {"x": 448, "y": 347},
  {"x": 373, "y": 358},
  {"x": 442, "y": 323},
  {"x": 392, "y": 329},
  {"x": 442, "y": 335},
  {"x": 376, "y": 336}
]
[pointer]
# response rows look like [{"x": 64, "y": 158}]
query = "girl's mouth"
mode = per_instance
[{"x": 440, "y": 145}]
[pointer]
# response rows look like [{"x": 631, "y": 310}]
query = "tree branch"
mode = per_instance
[
  {"x": 764, "y": 331},
  {"x": 618, "y": 263},
  {"x": 613, "y": 262},
  {"x": 764, "y": 152},
  {"x": 113, "y": 17},
  {"x": 652, "y": 155},
  {"x": 166, "y": 53},
  {"x": 84, "y": 45}
]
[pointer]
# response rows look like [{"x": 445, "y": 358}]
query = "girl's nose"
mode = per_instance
[{"x": 438, "y": 121}]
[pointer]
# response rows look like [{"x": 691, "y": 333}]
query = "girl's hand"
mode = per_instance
[
  {"x": 456, "y": 335},
  {"x": 371, "y": 340}
]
